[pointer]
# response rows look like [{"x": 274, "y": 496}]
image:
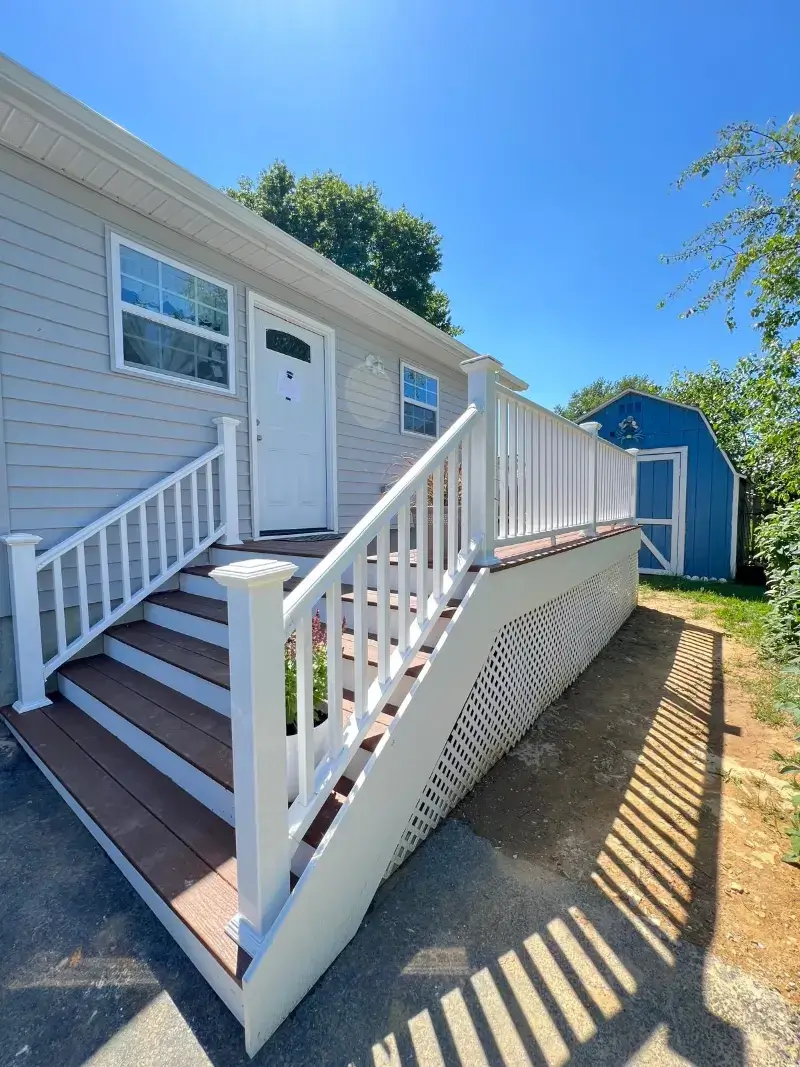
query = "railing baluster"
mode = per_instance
[
  {"x": 144, "y": 545},
  {"x": 503, "y": 472},
  {"x": 529, "y": 481},
  {"x": 403, "y": 578},
  {"x": 305, "y": 708},
  {"x": 210, "y": 500},
  {"x": 195, "y": 510},
  {"x": 58, "y": 597},
  {"x": 384, "y": 606},
  {"x": 83, "y": 592},
  {"x": 465, "y": 484},
  {"x": 162, "y": 532},
  {"x": 333, "y": 626},
  {"x": 124, "y": 555},
  {"x": 179, "y": 521},
  {"x": 513, "y": 469},
  {"x": 422, "y": 551},
  {"x": 105, "y": 590},
  {"x": 438, "y": 530},
  {"x": 452, "y": 511},
  {"x": 360, "y": 634}
]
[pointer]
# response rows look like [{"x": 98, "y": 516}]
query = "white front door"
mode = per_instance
[{"x": 290, "y": 428}]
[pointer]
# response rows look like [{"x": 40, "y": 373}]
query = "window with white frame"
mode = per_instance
[
  {"x": 419, "y": 402},
  {"x": 169, "y": 320}
]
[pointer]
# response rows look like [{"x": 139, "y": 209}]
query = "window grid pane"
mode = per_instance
[
  {"x": 165, "y": 350},
  {"x": 150, "y": 283},
  {"x": 419, "y": 420}
]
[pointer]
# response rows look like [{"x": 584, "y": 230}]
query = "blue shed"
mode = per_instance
[{"x": 688, "y": 491}]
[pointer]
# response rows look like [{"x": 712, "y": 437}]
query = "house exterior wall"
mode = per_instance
[
  {"x": 81, "y": 438},
  {"x": 710, "y": 480}
]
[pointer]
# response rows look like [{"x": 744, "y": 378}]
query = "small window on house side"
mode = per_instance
[
  {"x": 419, "y": 402},
  {"x": 169, "y": 321}
]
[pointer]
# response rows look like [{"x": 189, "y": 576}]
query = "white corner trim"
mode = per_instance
[
  {"x": 737, "y": 486},
  {"x": 255, "y": 301}
]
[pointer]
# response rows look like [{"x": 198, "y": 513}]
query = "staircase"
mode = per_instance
[
  {"x": 263, "y": 884},
  {"x": 138, "y": 741}
]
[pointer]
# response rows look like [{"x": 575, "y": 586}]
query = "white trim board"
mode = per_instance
[
  {"x": 680, "y": 457},
  {"x": 263, "y": 303}
]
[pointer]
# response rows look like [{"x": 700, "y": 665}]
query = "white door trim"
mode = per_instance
[
  {"x": 680, "y": 456},
  {"x": 255, "y": 301}
]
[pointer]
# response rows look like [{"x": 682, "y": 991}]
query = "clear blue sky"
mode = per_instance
[{"x": 540, "y": 137}]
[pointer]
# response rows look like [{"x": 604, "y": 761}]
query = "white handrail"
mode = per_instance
[
  {"x": 123, "y": 510},
  {"x": 343, "y": 555},
  {"x": 32, "y": 668}
]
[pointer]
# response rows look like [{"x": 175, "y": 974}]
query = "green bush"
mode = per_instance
[
  {"x": 319, "y": 663},
  {"x": 778, "y": 544}
]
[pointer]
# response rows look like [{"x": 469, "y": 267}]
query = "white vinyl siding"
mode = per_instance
[{"x": 82, "y": 438}]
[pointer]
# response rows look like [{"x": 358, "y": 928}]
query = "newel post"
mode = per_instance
[
  {"x": 228, "y": 479},
  {"x": 593, "y": 428},
  {"x": 258, "y": 724},
  {"x": 634, "y": 452},
  {"x": 27, "y": 627},
  {"x": 482, "y": 391}
]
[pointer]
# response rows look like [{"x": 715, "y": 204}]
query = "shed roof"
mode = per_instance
[{"x": 666, "y": 400}]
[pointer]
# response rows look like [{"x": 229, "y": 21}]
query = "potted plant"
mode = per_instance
[{"x": 319, "y": 661}]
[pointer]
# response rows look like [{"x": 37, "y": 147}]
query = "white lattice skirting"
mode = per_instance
[{"x": 532, "y": 661}]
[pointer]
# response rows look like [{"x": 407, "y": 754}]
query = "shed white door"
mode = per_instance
[
  {"x": 291, "y": 430},
  {"x": 660, "y": 509}
]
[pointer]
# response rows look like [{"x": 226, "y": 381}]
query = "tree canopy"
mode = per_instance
[
  {"x": 596, "y": 393},
  {"x": 395, "y": 251},
  {"x": 751, "y": 252}
]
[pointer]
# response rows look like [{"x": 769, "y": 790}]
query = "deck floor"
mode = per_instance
[{"x": 507, "y": 555}]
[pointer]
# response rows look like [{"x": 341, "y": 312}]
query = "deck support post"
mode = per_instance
[
  {"x": 593, "y": 429},
  {"x": 228, "y": 479},
  {"x": 258, "y": 725},
  {"x": 28, "y": 651},
  {"x": 482, "y": 374},
  {"x": 634, "y": 452}
]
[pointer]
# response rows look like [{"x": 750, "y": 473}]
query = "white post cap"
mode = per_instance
[
  {"x": 591, "y": 427},
  {"x": 250, "y": 573}
]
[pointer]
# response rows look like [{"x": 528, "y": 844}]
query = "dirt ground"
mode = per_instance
[{"x": 654, "y": 781}]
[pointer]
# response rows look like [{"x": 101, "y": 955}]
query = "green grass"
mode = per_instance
[{"x": 740, "y": 609}]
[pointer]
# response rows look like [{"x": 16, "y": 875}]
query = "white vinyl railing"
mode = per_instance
[
  {"x": 129, "y": 552},
  {"x": 555, "y": 477},
  {"x": 507, "y": 471}
]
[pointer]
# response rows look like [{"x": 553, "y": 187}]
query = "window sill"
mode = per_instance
[{"x": 174, "y": 379}]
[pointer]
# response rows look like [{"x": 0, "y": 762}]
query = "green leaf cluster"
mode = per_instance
[
  {"x": 395, "y": 251},
  {"x": 601, "y": 390}
]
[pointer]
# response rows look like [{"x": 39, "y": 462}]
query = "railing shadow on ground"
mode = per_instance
[{"x": 488, "y": 954}]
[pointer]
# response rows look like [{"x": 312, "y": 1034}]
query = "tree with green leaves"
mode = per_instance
[
  {"x": 752, "y": 252},
  {"x": 596, "y": 393},
  {"x": 393, "y": 250}
]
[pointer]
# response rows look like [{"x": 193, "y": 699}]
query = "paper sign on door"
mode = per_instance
[{"x": 288, "y": 385}]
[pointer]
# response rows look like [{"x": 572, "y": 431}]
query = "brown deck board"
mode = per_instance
[
  {"x": 196, "y": 747},
  {"x": 203, "y": 607},
  {"x": 187, "y": 653},
  {"x": 204, "y": 832},
  {"x": 190, "y": 710},
  {"x": 315, "y": 549},
  {"x": 196, "y": 893},
  {"x": 516, "y": 555}
]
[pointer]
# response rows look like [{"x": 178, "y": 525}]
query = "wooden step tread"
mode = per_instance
[
  {"x": 288, "y": 547},
  {"x": 183, "y": 851},
  {"x": 210, "y": 662},
  {"x": 201, "y": 658},
  {"x": 196, "y": 734},
  {"x": 204, "y": 607}
]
